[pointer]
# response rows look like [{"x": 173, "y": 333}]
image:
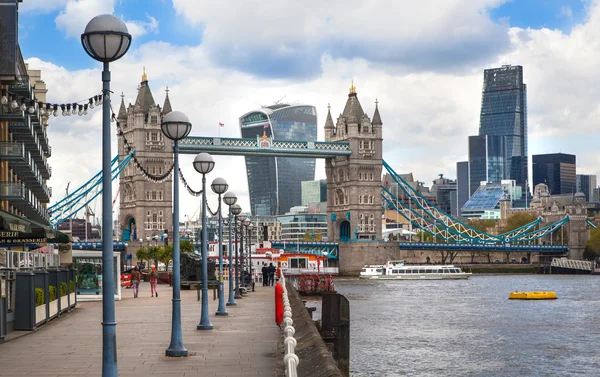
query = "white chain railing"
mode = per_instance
[{"x": 290, "y": 359}]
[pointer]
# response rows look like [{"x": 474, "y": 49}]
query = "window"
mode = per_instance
[
  {"x": 154, "y": 135},
  {"x": 153, "y": 119},
  {"x": 298, "y": 262}
]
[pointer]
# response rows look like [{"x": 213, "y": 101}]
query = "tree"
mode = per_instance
[
  {"x": 592, "y": 246},
  {"x": 154, "y": 253},
  {"x": 141, "y": 254},
  {"x": 166, "y": 254},
  {"x": 185, "y": 246},
  {"x": 517, "y": 220}
]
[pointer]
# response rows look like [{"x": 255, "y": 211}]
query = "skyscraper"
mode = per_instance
[
  {"x": 487, "y": 155},
  {"x": 504, "y": 113},
  {"x": 557, "y": 170},
  {"x": 462, "y": 185},
  {"x": 586, "y": 183},
  {"x": 274, "y": 183}
]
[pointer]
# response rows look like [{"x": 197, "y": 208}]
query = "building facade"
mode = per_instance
[
  {"x": 299, "y": 225},
  {"x": 444, "y": 192},
  {"x": 314, "y": 192},
  {"x": 274, "y": 183},
  {"x": 486, "y": 160},
  {"x": 557, "y": 171},
  {"x": 145, "y": 205},
  {"x": 462, "y": 185},
  {"x": 587, "y": 183},
  {"x": 504, "y": 113},
  {"x": 354, "y": 182}
]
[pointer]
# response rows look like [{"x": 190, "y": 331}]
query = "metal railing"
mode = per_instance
[
  {"x": 23, "y": 260},
  {"x": 290, "y": 359}
]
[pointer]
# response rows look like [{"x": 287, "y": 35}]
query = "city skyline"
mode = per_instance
[{"x": 429, "y": 92}]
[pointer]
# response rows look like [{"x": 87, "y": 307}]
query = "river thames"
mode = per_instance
[{"x": 470, "y": 328}]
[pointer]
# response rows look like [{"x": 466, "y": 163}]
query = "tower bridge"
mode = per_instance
[{"x": 355, "y": 197}]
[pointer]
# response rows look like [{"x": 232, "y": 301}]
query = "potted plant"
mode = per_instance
[
  {"x": 53, "y": 302},
  {"x": 72, "y": 300},
  {"x": 64, "y": 299},
  {"x": 40, "y": 306}
]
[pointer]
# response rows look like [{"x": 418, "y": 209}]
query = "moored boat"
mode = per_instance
[
  {"x": 536, "y": 295},
  {"x": 397, "y": 270}
]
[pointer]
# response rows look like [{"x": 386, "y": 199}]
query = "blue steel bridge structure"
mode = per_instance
[{"x": 422, "y": 214}]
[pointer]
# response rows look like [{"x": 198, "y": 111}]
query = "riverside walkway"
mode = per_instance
[{"x": 241, "y": 344}]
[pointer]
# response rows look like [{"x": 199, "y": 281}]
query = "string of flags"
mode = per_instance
[{"x": 66, "y": 109}]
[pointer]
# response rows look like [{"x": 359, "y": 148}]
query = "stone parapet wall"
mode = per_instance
[
  {"x": 354, "y": 255},
  {"x": 315, "y": 358}
]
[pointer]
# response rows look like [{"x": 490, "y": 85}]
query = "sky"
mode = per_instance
[{"x": 422, "y": 61}]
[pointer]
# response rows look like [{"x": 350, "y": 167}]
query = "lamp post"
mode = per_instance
[
  {"x": 236, "y": 209},
  {"x": 241, "y": 278},
  {"x": 230, "y": 199},
  {"x": 250, "y": 228},
  {"x": 247, "y": 223},
  {"x": 148, "y": 239},
  {"x": 175, "y": 125},
  {"x": 219, "y": 186},
  {"x": 204, "y": 164},
  {"x": 106, "y": 39}
]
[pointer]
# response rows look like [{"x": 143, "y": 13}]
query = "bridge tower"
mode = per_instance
[
  {"x": 354, "y": 182},
  {"x": 145, "y": 206}
]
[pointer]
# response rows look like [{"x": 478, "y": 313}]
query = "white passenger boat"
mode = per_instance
[{"x": 397, "y": 270}]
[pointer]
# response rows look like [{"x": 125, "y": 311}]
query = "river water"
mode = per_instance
[{"x": 470, "y": 328}]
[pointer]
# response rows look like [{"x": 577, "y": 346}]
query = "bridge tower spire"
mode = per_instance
[{"x": 354, "y": 182}]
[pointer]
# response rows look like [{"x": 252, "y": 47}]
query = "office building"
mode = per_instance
[
  {"x": 462, "y": 185},
  {"x": 314, "y": 192},
  {"x": 274, "y": 183},
  {"x": 586, "y": 183},
  {"x": 299, "y": 225},
  {"x": 504, "y": 113},
  {"x": 487, "y": 155},
  {"x": 557, "y": 171},
  {"x": 485, "y": 202},
  {"x": 444, "y": 192}
]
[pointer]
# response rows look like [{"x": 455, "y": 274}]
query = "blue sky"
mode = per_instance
[{"x": 423, "y": 61}]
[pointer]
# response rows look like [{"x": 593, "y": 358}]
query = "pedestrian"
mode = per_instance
[
  {"x": 135, "y": 281},
  {"x": 153, "y": 281},
  {"x": 272, "y": 270},
  {"x": 265, "y": 274}
]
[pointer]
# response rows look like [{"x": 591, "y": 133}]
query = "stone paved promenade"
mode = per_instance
[{"x": 241, "y": 344}]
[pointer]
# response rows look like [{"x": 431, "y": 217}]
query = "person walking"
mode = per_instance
[
  {"x": 135, "y": 281},
  {"x": 265, "y": 275},
  {"x": 272, "y": 270},
  {"x": 153, "y": 282}
]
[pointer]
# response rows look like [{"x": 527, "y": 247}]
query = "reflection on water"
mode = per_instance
[{"x": 470, "y": 328}]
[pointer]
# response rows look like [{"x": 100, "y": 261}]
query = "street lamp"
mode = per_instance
[
  {"x": 230, "y": 199},
  {"x": 204, "y": 164},
  {"x": 250, "y": 228},
  {"x": 106, "y": 39},
  {"x": 247, "y": 223},
  {"x": 236, "y": 209},
  {"x": 241, "y": 278},
  {"x": 219, "y": 186},
  {"x": 175, "y": 125}
]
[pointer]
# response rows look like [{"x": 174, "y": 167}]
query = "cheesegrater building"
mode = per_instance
[
  {"x": 504, "y": 114},
  {"x": 274, "y": 183}
]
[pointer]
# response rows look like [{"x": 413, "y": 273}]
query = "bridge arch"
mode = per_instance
[{"x": 344, "y": 230}]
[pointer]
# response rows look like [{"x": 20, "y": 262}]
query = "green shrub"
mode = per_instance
[
  {"x": 63, "y": 289},
  {"x": 52, "y": 290},
  {"x": 39, "y": 297},
  {"x": 71, "y": 286}
]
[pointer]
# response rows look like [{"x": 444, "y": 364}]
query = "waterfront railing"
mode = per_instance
[
  {"x": 23, "y": 260},
  {"x": 290, "y": 359}
]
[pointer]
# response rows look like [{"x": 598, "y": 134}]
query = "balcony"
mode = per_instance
[
  {"x": 48, "y": 153},
  {"x": 13, "y": 68},
  {"x": 13, "y": 192},
  {"x": 10, "y": 114},
  {"x": 12, "y": 152}
]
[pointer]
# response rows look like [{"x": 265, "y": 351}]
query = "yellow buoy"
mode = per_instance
[{"x": 541, "y": 295}]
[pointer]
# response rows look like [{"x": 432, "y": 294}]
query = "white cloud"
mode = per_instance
[
  {"x": 77, "y": 13},
  {"x": 139, "y": 28},
  {"x": 565, "y": 11}
]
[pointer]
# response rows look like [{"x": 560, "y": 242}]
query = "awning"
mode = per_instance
[{"x": 14, "y": 229}]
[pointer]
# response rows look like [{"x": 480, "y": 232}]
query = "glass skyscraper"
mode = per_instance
[
  {"x": 487, "y": 155},
  {"x": 504, "y": 113},
  {"x": 557, "y": 170},
  {"x": 274, "y": 184}
]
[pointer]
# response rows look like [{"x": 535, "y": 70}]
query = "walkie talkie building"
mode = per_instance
[{"x": 274, "y": 183}]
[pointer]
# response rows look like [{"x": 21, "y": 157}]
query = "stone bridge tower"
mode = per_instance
[
  {"x": 354, "y": 182},
  {"x": 145, "y": 206}
]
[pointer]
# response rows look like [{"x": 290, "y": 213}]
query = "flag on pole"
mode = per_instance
[{"x": 221, "y": 124}]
